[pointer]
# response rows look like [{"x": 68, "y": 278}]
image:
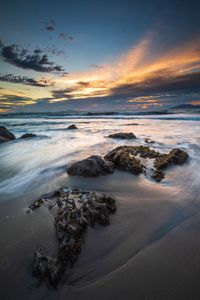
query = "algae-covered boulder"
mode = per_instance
[
  {"x": 92, "y": 166},
  {"x": 122, "y": 135},
  {"x": 6, "y": 135}
]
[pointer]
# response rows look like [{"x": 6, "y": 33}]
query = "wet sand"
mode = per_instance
[{"x": 149, "y": 251}]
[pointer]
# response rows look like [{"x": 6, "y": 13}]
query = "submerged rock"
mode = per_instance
[
  {"x": 122, "y": 135},
  {"x": 71, "y": 127},
  {"x": 6, "y": 135},
  {"x": 73, "y": 211},
  {"x": 28, "y": 135},
  {"x": 91, "y": 167}
]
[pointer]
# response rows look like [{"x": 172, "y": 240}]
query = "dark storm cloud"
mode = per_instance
[
  {"x": 37, "y": 61},
  {"x": 160, "y": 83},
  {"x": 25, "y": 80}
]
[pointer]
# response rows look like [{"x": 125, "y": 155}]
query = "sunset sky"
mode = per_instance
[{"x": 99, "y": 55}]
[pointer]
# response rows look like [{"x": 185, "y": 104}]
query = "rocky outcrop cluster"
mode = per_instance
[
  {"x": 73, "y": 211},
  {"x": 128, "y": 158}
]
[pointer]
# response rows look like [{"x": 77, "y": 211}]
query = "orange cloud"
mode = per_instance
[
  {"x": 139, "y": 65},
  {"x": 196, "y": 102}
]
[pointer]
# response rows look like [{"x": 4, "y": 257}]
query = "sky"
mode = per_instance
[{"x": 99, "y": 55}]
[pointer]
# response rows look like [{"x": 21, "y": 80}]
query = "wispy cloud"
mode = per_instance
[
  {"x": 43, "y": 82},
  {"x": 142, "y": 71},
  {"x": 22, "y": 58},
  {"x": 10, "y": 100}
]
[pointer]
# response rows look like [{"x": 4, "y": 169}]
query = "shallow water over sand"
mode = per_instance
[{"x": 148, "y": 212}]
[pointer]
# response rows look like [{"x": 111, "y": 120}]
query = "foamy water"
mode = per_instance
[{"x": 25, "y": 163}]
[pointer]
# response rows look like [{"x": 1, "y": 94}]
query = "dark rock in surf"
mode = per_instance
[
  {"x": 72, "y": 127},
  {"x": 92, "y": 166},
  {"x": 128, "y": 158},
  {"x": 130, "y": 124},
  {"x": 174, "y": 157},
  {"x": 149, "y": 141},
  {"x": 28, "y": 136},
  {"x": 123, "y": 159},
  {"x": 122, "y": 135},
  {"x": 73, "y": 211},
  {"x": 6, "y": 135}
]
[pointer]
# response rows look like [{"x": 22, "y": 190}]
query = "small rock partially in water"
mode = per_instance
[
  {"x": 72, "y": 127},
  {"x": 149, "y": 141},
  {"x": 73, "y": 211},
  {"x": 130, "y": 124},
  {"x": 122, "y": 135},
  {"x": 28, "y": 135},
  {"x": 6, "y": 135},
  {"x": 92, "y": 166}
]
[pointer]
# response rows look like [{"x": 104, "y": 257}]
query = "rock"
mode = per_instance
[
  {"x": 158, "y": 175},
  {"x": 142, "y": 151},
  {"x": 123, "y": 159},
  {"x": 131, "y": 124},
  {"x": 175, "y": 156},
  {"x": 46, "y": 267},
  {"x": 6, "y": 135},
  {"x": 73, "y": 211},
  {"x": 127, "y": 158},
  {"x": 28, "y": 135},
  {"x": 71, "y": 127},
  {"x": 91, "y": 167},
  {"x": 122, "y": 135},
  {"x": 149, "y": 141}
]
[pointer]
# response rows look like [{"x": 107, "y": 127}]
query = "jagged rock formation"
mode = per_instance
[{"x": 73, "y": 211}]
